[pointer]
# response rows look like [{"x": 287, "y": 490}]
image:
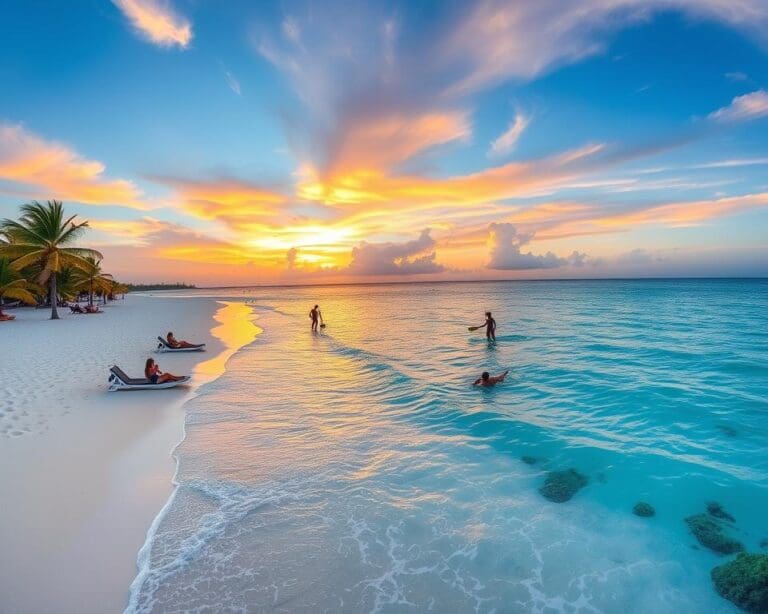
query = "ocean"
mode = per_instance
[{"x": 358, "y": 470}]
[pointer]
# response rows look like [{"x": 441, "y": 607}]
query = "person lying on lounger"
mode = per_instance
[
  {"x": 153, "y": 373},
  {"x": 75, "y": 308},
  {"x": 486, "y": 380},
  {"x": 174, "y": 343}
]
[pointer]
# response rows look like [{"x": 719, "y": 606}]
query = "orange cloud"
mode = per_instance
[
  {"x": 513, "y": 180},
  {"x": 237, "y": 204},
  {"x": 156, "y": 21},
  {"x": 46, "y": 169},
  {"x": 382, "y": 142}
]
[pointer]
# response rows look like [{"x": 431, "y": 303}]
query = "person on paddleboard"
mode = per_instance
[
  {"x": 490, "y": 326},
  {"x": 486, "y": 381},
  {"x": 316, "y": 317}
]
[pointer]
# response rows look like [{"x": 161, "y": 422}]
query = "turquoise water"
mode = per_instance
[{"x": 358, "y": 470}]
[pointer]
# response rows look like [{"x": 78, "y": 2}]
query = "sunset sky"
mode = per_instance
[{"x": 243, "y": 142}]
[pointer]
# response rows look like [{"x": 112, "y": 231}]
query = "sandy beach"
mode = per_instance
[{"x": 84, "y": 472}]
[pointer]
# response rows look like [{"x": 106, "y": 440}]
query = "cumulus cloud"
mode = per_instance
[
  {"x": 505, "y": 244},
  {"x": 506, "y": 142},
  {"x": 415, "y": 257},
  {"x": 742, "y": 108},
  {"x": 156, "y": 21},
  {"x": 36, "y": 168},
  {"x": 639, "y": 256}
]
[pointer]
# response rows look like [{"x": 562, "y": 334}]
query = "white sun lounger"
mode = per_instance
[
  {"x": 118, "y": 380},
  {"x": 164, "y": 347}
]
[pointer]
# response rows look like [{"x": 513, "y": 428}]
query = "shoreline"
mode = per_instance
[{"x": 86, "y": 485}]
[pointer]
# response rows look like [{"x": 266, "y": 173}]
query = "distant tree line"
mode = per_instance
[{"x": 164, "y": 286}]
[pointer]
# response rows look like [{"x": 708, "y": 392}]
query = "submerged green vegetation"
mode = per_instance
[
  {"x": 744, "y": 581},
  {"x": 710, "y": 534},
  {"x": 560, "y": 486}
]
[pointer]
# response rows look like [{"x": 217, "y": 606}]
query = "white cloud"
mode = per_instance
[
  {"x": 415, "y": 257},
  {"x": 232, "y": 82},
  {"x": 736, "y": 76},
  {"x": 156, "y": 21},
  {"x": 505, "y": 243},
  {"x": 506, "y": 142},
  {"x": 742, "y": 108}
]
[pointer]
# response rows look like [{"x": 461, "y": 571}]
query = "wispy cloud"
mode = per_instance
[
  {"x": 156, "y": 21},
  {"x": 496, "y": 40},
  {"x": 736, "y": 76},
  {"x": 239, "y": 205},
  {"x": 742, "y": 108},
  {"x": 36, "y": 168},
  {"x": 506, "y": 142},
  {"x": 232, "y": 82}
]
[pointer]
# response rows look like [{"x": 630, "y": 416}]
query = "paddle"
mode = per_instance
[{"x": 472, "y": 329}]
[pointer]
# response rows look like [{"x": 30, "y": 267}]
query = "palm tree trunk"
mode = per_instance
[{"x": 52, "y": 296}]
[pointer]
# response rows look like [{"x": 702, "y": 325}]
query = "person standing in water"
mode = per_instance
[
  {"x": 315, "y": 316},
  {"x": 490, "y": 326}
]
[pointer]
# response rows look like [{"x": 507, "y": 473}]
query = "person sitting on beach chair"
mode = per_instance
[
  {"x": 91, "y": 309},
  {"x": 174, "y": 343},
  {"x": 75, "y": 308},
  {"x": 486, "y": 381},
  {"x": 153, "y": 373}
]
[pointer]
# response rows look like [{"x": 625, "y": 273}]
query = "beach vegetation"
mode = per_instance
[
  {"x": 44, "y": 237},
  {"x": 13, "y": 286},
  {"x": 91, "y": 279}
]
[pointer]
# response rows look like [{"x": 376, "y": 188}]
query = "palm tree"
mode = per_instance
[
  {"x": 66, "y": 284},
  {"x": 13, "y": 286},
  {"x": 41, "y": 237},
  {"x": 90, "y": 278}
]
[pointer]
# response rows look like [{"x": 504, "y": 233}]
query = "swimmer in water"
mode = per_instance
[{"x": 486, "y": 381}]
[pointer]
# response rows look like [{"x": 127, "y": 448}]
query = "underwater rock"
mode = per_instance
[
  {"x": 643, "y": 509},
  {"x": 764, "y": 542},
  {"x": 727, "y": 430},
  {"x": 529, "y": 460},
  {"x": 560, "y": 486},
  {"x": 710, "y": 534},
  {"x": 744, "y": 581},
  {"x": 716, "y": 510}
]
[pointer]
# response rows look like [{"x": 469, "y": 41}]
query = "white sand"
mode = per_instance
[{"x": 83, "y": 472}]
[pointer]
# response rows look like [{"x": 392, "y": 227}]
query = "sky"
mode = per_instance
[{"x": 250, "y": 142}]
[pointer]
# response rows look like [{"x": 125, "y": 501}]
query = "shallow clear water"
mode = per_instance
[{"x": 358, "y": 470}]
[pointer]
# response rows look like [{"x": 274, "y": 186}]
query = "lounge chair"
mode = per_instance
[
  {"x": 4, "y": 317},
  {"x": 118, "y": 380},
  {"x": 163, "y": 346},
  {"x": 75, "y": 308}
]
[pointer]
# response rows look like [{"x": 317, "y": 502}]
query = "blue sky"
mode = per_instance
[{"x": 253, "y": 142}]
